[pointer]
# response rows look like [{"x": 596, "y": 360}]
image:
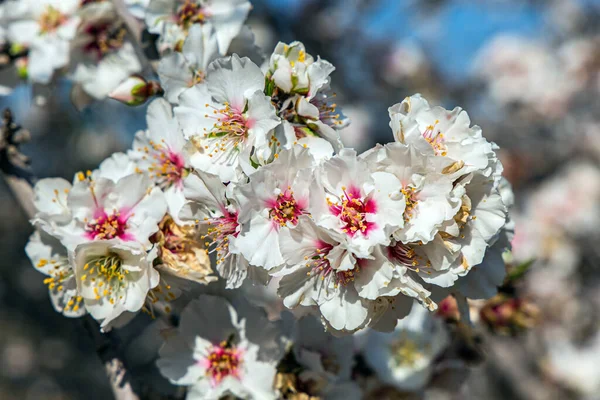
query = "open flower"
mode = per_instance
[
  {"x": 405, "y": 358},
  {"x": 179, "y": 71},
  {"x": 212, "y": 206},
  {"x": 273, "y": 200},
  {"x": 213, "y": 355},
  {"x": 113, "y": 277},
  {"x": 426, "y": 190},
  {"x": 128, "y": 210},
  {"x": 173, "y": 19},
  {"x": 50, "y": 258},
  {"x": 228, "y": 118},
  {"x": 46, "y": 27},
  {"x": 50, "y": 201},
  {"x": 159, "y": 152},
  {"x": 103, "y": 56},
  {"x": 444, "y": 133},
  {"x": 364, "y": 206},
  {"x": 323, "y": 364},
  {"x": 321, "y": 271}
]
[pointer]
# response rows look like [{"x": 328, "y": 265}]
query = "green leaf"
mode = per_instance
[{"x": 519, "y": 271}]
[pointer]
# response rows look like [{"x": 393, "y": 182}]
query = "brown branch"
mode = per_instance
[{"x": 14, "y": 168}]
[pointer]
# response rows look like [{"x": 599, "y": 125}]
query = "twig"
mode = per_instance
[{"x": 14, "y": 168}]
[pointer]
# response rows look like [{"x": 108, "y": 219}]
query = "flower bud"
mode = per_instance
[{"x": 136, "y": 90}]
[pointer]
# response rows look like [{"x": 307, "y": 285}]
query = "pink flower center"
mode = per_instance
[
  {"x": 103, "y": 39},
  {"x": 223, "y": 360},
  {"x": 169, "y": 166},
  {"x": 436, "y": 139},
  {"x": 219, "y": 231},
  {"x": 229, "y": 131},
  {"x": 108, "y": 227},
  {"x": 285, "y": 209},
  {"x": 320, "y": 265},
  {"x": 352, "y": 210}
]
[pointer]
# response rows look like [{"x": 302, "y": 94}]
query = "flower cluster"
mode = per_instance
[
  {"x": 86, "y": 39},
  {"x": 244, "y": 168},
  {"x": 253, "y": 162}
]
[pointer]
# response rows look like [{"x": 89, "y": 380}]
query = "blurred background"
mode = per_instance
[{"x": 527, "y": 71}]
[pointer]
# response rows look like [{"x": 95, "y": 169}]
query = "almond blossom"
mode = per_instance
[
  {"x": 365, "y": 206},
  {"x": 160, "y": 152},
  {"x": 128, "y": 210},
  {"x": 103, "y": 55},
  {"x": 213, "y": 354},
  {"x": 173, "y": 19},
  {"x": 46, "y": 28},
  {"x": 273, "y": 201},
  {"x": 112, "y": 277},
  {"x": 181, "y": 70},
  {"x": 228, "y": 119}
]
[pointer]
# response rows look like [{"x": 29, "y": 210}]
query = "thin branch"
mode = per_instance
[{"x": 14, "y": 168}]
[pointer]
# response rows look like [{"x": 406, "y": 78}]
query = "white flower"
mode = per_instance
[
  {"x": 212, "y": 354},
  {"x": 179, "y": 71},
  {"x": 159, "y": 151},
  {"x": 426, "y": 190},
  {"x": 277, "y": 195},
  {"x": 174, "y": 18},
  {"x": 228, "y": 118},
  {"x": 113, "y": 277},
  {"x": 441, "y": 132},
  {"x": 364, "y": 206},
  {"x": 294, "y": 71},
  {"x": 320, "y": 271},
  {"x": 463, "y": 241},
  {"x": 212, "y": 205},
  {"x": 404, "y": 358},
  {"x": 129, "y": 210},
  {"x": 46, "y": 27},
  {"x": 50, "y": 258},
  {"x": 326, "y": 361},
  {"x": 50, "y": 201},
  {"x": 300, "y": 89},
  {"x": 105, "y": 58}
]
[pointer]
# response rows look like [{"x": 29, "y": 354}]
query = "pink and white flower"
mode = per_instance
[
  {"x": 128, "y": 210},
  {"x": 426, "y": 190},
  {"x": 179, "y": 71},
  {"x": 444, "y": 133},
  {"x": 173, "y": 19},
  {"x": 46, "y": 27},
  {"x": 213, "y": 354},
  {"x": 212, "y": 206},
  {"x": 273, "y": 200},
  {"x": 103, "y": 56},
  {"x": 228, "y": 119},
  {"x": 365, "y": 206},
  {"x": 160, "y": 152}
]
